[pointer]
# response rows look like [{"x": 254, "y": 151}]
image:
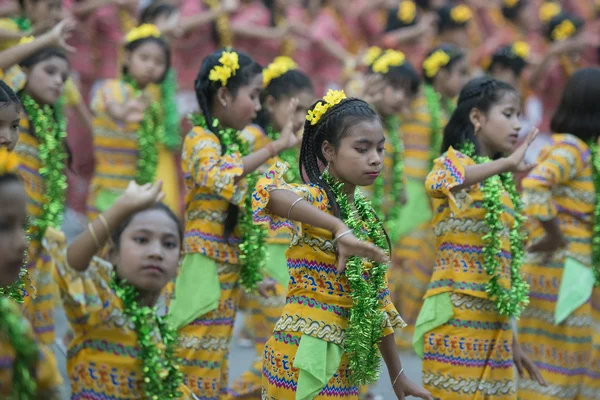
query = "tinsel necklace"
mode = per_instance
[
  {"x": 162, "y": 377},
  {"x": 508, "y": 302},
  {"x": 379, "y": 195},
  {"x": 253, "y": 253},
  {"x": 365, "y": 323},
  {"x": 289, "y": 156},
  {"x": 49, "y": 129},
  {"x": 596, "y": 226},
  {"x": 434, "y": 106}
]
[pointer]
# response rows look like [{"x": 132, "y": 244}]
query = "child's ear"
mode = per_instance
[
  {"x": 112, "y": 254},
  {"x": 328, "y": 151},
  {"x": 269, "y": 103},
  {"x": 224, "y": 97},
  {"x": 475, "y": 116}
]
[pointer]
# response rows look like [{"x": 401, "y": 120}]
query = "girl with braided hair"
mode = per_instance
[
  {"x": 463, "y": 331},
  {"x": 223, "y": 250},
  {"x": 338, "y": 308}
]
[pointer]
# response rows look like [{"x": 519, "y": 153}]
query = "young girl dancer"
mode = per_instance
[
  {"x": 128, "y": 123},
  {"x": 283, "y": 82},
  {"x": 560, "y": 195},
  {"x": 463, "y": 330},
  {"x": 223, "y": 248},
  {"x": 122, "y": 348},
  {"x": 334, "y": 298}
]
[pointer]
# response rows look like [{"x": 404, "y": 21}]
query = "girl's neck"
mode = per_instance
[
  {"x": 134, "y": 82},
  {"x": 485, "y": 151},
  {"x": 148, "y": 299},
  {"x": 437, "y": 86}
]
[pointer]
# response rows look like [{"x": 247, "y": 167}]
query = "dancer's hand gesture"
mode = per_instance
[
  {"x": 516, "y": 161},
  {"x": 349, "y": 245},
  {"x": 404, "y": 387},
  {"x": 139, "y": 197},
  {"x": 288, "y": 138}
]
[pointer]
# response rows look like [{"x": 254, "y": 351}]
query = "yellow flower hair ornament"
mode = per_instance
[
  {"x": 391, "y": 58},
  {"x": 277, "y": 68},
  {"x": 521, "y": 49},
  {"x": 142, "y": 32},
  {"x": 461, "y": 14},
  {"x": 407, "y": 11},
  {"x": 434, "y": 62},
  {"x": 371, "y": 55},
  {"x": 26, "y": 39},
  {"x": 549, "y": 10},
  {"x": 510, "y": 3},
  {"x": 564, "y": 30},
  {"x": 229, "y": 61},
  {"x": 332, "y": 98},
  {"x": 8, "y": 162}
]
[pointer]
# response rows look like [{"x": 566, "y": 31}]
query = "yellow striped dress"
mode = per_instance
[
  {"x": 470, "y": 356},
  {"x": 318, "y": 300},
  {"x": 561, "y": 188}
]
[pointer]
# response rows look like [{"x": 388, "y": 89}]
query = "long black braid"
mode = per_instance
[{"x": 7, "y": 95}]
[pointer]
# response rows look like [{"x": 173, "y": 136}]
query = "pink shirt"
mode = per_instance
[
  {"x": 303, "y": 45},
  {"x": 327, "y": 70},
  {"x": 256, "y": 14}
]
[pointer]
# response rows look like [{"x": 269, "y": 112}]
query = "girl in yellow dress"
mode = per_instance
[
  {"x": 224, "y": 250},
  {"x": 128, "y": 123},
  {"x": 122, "y": 349},
  {"x": 27, "y": 369},
  {"x": 338, "y": 308},
  {"x": 463, "y": 331},
  {"x": 282, "y": 83},
  {"x": 560, "y": 196}
]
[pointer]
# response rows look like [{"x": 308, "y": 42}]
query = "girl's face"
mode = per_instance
[
  {"x": 13, "y": 214},
  {"x": 394, "y": 101},
  {"x": 149, "y": 249},
  {"x": 241, "y": 110},
  {"x": 506, "y": 75},
  {"x": 9, "y": 126},
  {"x": 500, "y": 127},
  {"x": 147, "y": 63},
  {"x": 46, "y": 80},
  {"x": 358, "y": 160},
  {"x": 278, "y": 109},
  {"x": 454, "y": 79}
]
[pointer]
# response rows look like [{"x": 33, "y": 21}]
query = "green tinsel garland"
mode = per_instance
[
  {"x": 365, "y": 323},
  {"x": 162, "y": 377},
  {"x": 290, "y": 156},
  {"x": 434, "y": 106},
  {"x": 50, "y": 129},
  {"x": 16, "y": 291},
  {"x": 24, "y": 24},
  {"x": 253, "y": 254},
  {"x": 508, "y": 302},
  {"x": 171, "y": 137},
  {"x": 16, "y": 329},
  {"x": 594, "y": 148}
]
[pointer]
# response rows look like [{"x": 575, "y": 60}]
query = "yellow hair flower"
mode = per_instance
[
  {"x": 521, "y": 49},
  {"x": 332, "y": 98},
  {"x": 372, "y": 53},
  {"x": 277, "y": 68},
  {"x": 461, "y": 14},
  {"x": 510, "y": 3},
  {"x": 434, "y": 62},
  {"x": 142, "y": 32},
  {"x": 229, "y": 61},
  {"x": 8, "y": 162},
  {"x": 390, "y": 58},
  {"x": 26, "y": 39},
  {"x": 407, "y": 11},
  {"x": 549, "y": 10},
  {"x": 564, "y": 30}
]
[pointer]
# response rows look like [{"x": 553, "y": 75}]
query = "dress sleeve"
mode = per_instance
[
  {"x": 87, "y": 297},
  {"x": 48, "y": 376},
  {"x": 273, "y": 180},
  {"x": 449, "y": 172},
  {"x": 392, "y": 320},
  {"x": 204, "y": 163},
  {"x": 557, "y": 165}
]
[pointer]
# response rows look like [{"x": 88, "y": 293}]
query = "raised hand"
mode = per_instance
[
  {"x": 62, "y": 32},
  {"x": 288, "y": 137},
  {"x": 139, "y": 197},
  {"x": 516, "y": 161},
  {"x": 349, "y": 245},
  {"x": 131, "y": 111}
]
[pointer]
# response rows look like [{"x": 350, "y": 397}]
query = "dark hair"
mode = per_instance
[
  {"x": 393, "y": 22},
  {"x": 43, "y": 55},
  {"x": 560, "y": 18},
  {"x": 155, "y": 10},
  {"x": 402, "y": 76},
  {"x": 446, "y": 22},
  {"x": 287, "y": 85},
  {"x": 7, "y": 95},
  {"x": 579, "y": 110},
  {"x": 270, "y": 5},
  {"x": 132, "y": 46},
  {"x": 453, "y": 52},
  {"x": 481, "y": 93},
  {"x": 206, "y": 90},
  {"x": 424, "y": 4},
  {"x": 116, "y": 234},
  {"x": 511, "y": 13},
  {"x": 505, "y": 57}
]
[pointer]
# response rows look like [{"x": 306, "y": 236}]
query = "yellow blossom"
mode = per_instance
[
  {"x": 461, "y": 14},
  {"x": 26, "y": 39},
  {"x": 510, "y": 3},
  {"x": 564, "y": 30},
  {"x": 371, "y": 55},
  {"x": 407, "y": 11},
  {"x": 332, "y": 98},
  {"x": 8, "y": 162},
  {"x": 220, "y": 73},
  {"x": 277, "y": 68},
  {"x": 142, "y": 32},
  {"x": 229, "y": 61},
  {"x": 521, "y": 49},
  {"x": 390, "y": 58},
  {"x": 549, "y": 10},
  {"x": 434, "y": 62}
]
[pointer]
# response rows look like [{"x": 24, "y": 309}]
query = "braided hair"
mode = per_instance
[
  {"x": 206, "y": 90},
  {"x": 332, "y": 127},
  {"x": 481, "y": 93},
  {"x": 7, "y": 95}
]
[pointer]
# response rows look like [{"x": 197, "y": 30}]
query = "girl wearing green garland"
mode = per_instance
[
  {"x": 224, "y": 250},
  {"x": 338, "y": 315},
  {"x": 129, "y": 122},
  {"x": 123, "y": 348},
  {"x": 444, "y": 72},
  {"x": 28, "y": 370},
  {"x": 464, "y": 331}
]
